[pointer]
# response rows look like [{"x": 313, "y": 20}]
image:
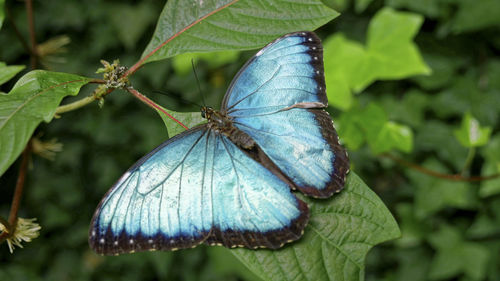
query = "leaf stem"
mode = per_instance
[
  {"x": 423, "y": 170},
  {"x": 153, "y": 105},
  {"x": 75, "y": 105},
  {"x": 83, "y": 102},
  {"x": 468, "y": 161},
  {"x": 31, "y": 26}
]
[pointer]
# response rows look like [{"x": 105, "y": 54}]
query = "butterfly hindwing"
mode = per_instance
[
  {"x": 196, "y": 187},
  {"x": 278, "y": 98}
]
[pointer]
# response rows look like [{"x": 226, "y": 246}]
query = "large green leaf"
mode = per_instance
[
  {"x": 340, "y": 232},
  {"x": 389, "y": 54},
  {"x": 33, "y": 99},
  {"x": 216, "y": 25}
]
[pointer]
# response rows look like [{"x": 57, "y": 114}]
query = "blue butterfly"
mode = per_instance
[{"x": 229, "y": 182}]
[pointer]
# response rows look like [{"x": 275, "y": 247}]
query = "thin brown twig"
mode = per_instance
[
  {"x": 16, "y": 30},
  {"x": 31, "y": 26},
  {"x": 153, "y": 105},
  {"x": 456, "y": 177},
  {"x": 18, "y": 193}
]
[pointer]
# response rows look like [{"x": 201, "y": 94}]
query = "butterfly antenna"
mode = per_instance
[{"x": 198, "y": 82}]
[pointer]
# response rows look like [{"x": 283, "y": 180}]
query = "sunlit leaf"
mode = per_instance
[
  {"x": 389, "y": 54},
  {"x": 393, "y": 135},
  {"x": 471, "y": 134}
]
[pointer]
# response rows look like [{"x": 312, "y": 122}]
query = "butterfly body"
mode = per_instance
[
  {"x": 222, "y": 123},
  {"x": 229, "y": 182}
]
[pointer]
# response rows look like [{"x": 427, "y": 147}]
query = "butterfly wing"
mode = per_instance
[
  {"x": 278, "y": 99},
  {"x": 196, "y": 187}
]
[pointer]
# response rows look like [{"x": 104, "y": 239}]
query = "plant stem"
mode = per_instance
[
  {"x": 18, "y": 192},
  {"x": 31, "y": 26},
  {"x": 468, "y": 161},
  {"x": 423, "y": 170},
  {"x": 16, "y": 30},
  {"x": 75, "y": 105},
  {"x": 153, "y": 105},
  {"x": 82, "y": 102}
]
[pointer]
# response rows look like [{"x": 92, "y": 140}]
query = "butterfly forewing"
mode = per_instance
[{"x": 278, "y": 99}]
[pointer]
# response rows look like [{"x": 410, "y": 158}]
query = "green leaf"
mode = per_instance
[
  {"x": 340, "y": 232},
  {"x": 491, "y": 167},
  {"x": 130, "y": 22},
  {"x": 413, "y": 230},
  {"x": 457, "y": 256},
  {"x": 475, "y": 15},
  {"x": 189, "y": 119},
  {"x": 471, "y": 134},
  {"x": 392, "y": 53},
  {"x": 33, "y": 99},
  {"x": 408, "y": 110},
  {"x": 337, "y": 5},
  {"x": 372, "y": 119},
  {"x": 7, "y": 72},
  {"x": 443, "y": 70},
  {"x": 224, "y": 263},
  {"x": 361, "y": 5},
  {"x": 343, "y": 59},
  {"x": 182, "y": 63},
  {"x": 434, "y": 194},
  {"x": 430, "y": 8},
  {"x": 217, "y": 25},
  {"x": 393, "y": 135},
  {"x": 437, "y": 137},
  {"x": 350, "y": 132},
  {"x": 388, "y": 55}
]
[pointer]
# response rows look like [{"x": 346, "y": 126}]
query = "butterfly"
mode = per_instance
[{"x": 229, "y": 181}]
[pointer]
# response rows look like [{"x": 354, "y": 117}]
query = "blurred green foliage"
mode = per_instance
[{"x": 444, "y": 117}]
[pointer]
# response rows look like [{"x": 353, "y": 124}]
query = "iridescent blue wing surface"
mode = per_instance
[
  {"x": 197, "y": 187},
  {"x": 278, "y": 98}
]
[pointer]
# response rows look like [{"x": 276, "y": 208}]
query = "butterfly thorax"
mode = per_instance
[{"x": 223, "y": 124}]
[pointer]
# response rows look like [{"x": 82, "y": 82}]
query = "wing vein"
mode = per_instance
[{"x": 256, "y": 90}]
